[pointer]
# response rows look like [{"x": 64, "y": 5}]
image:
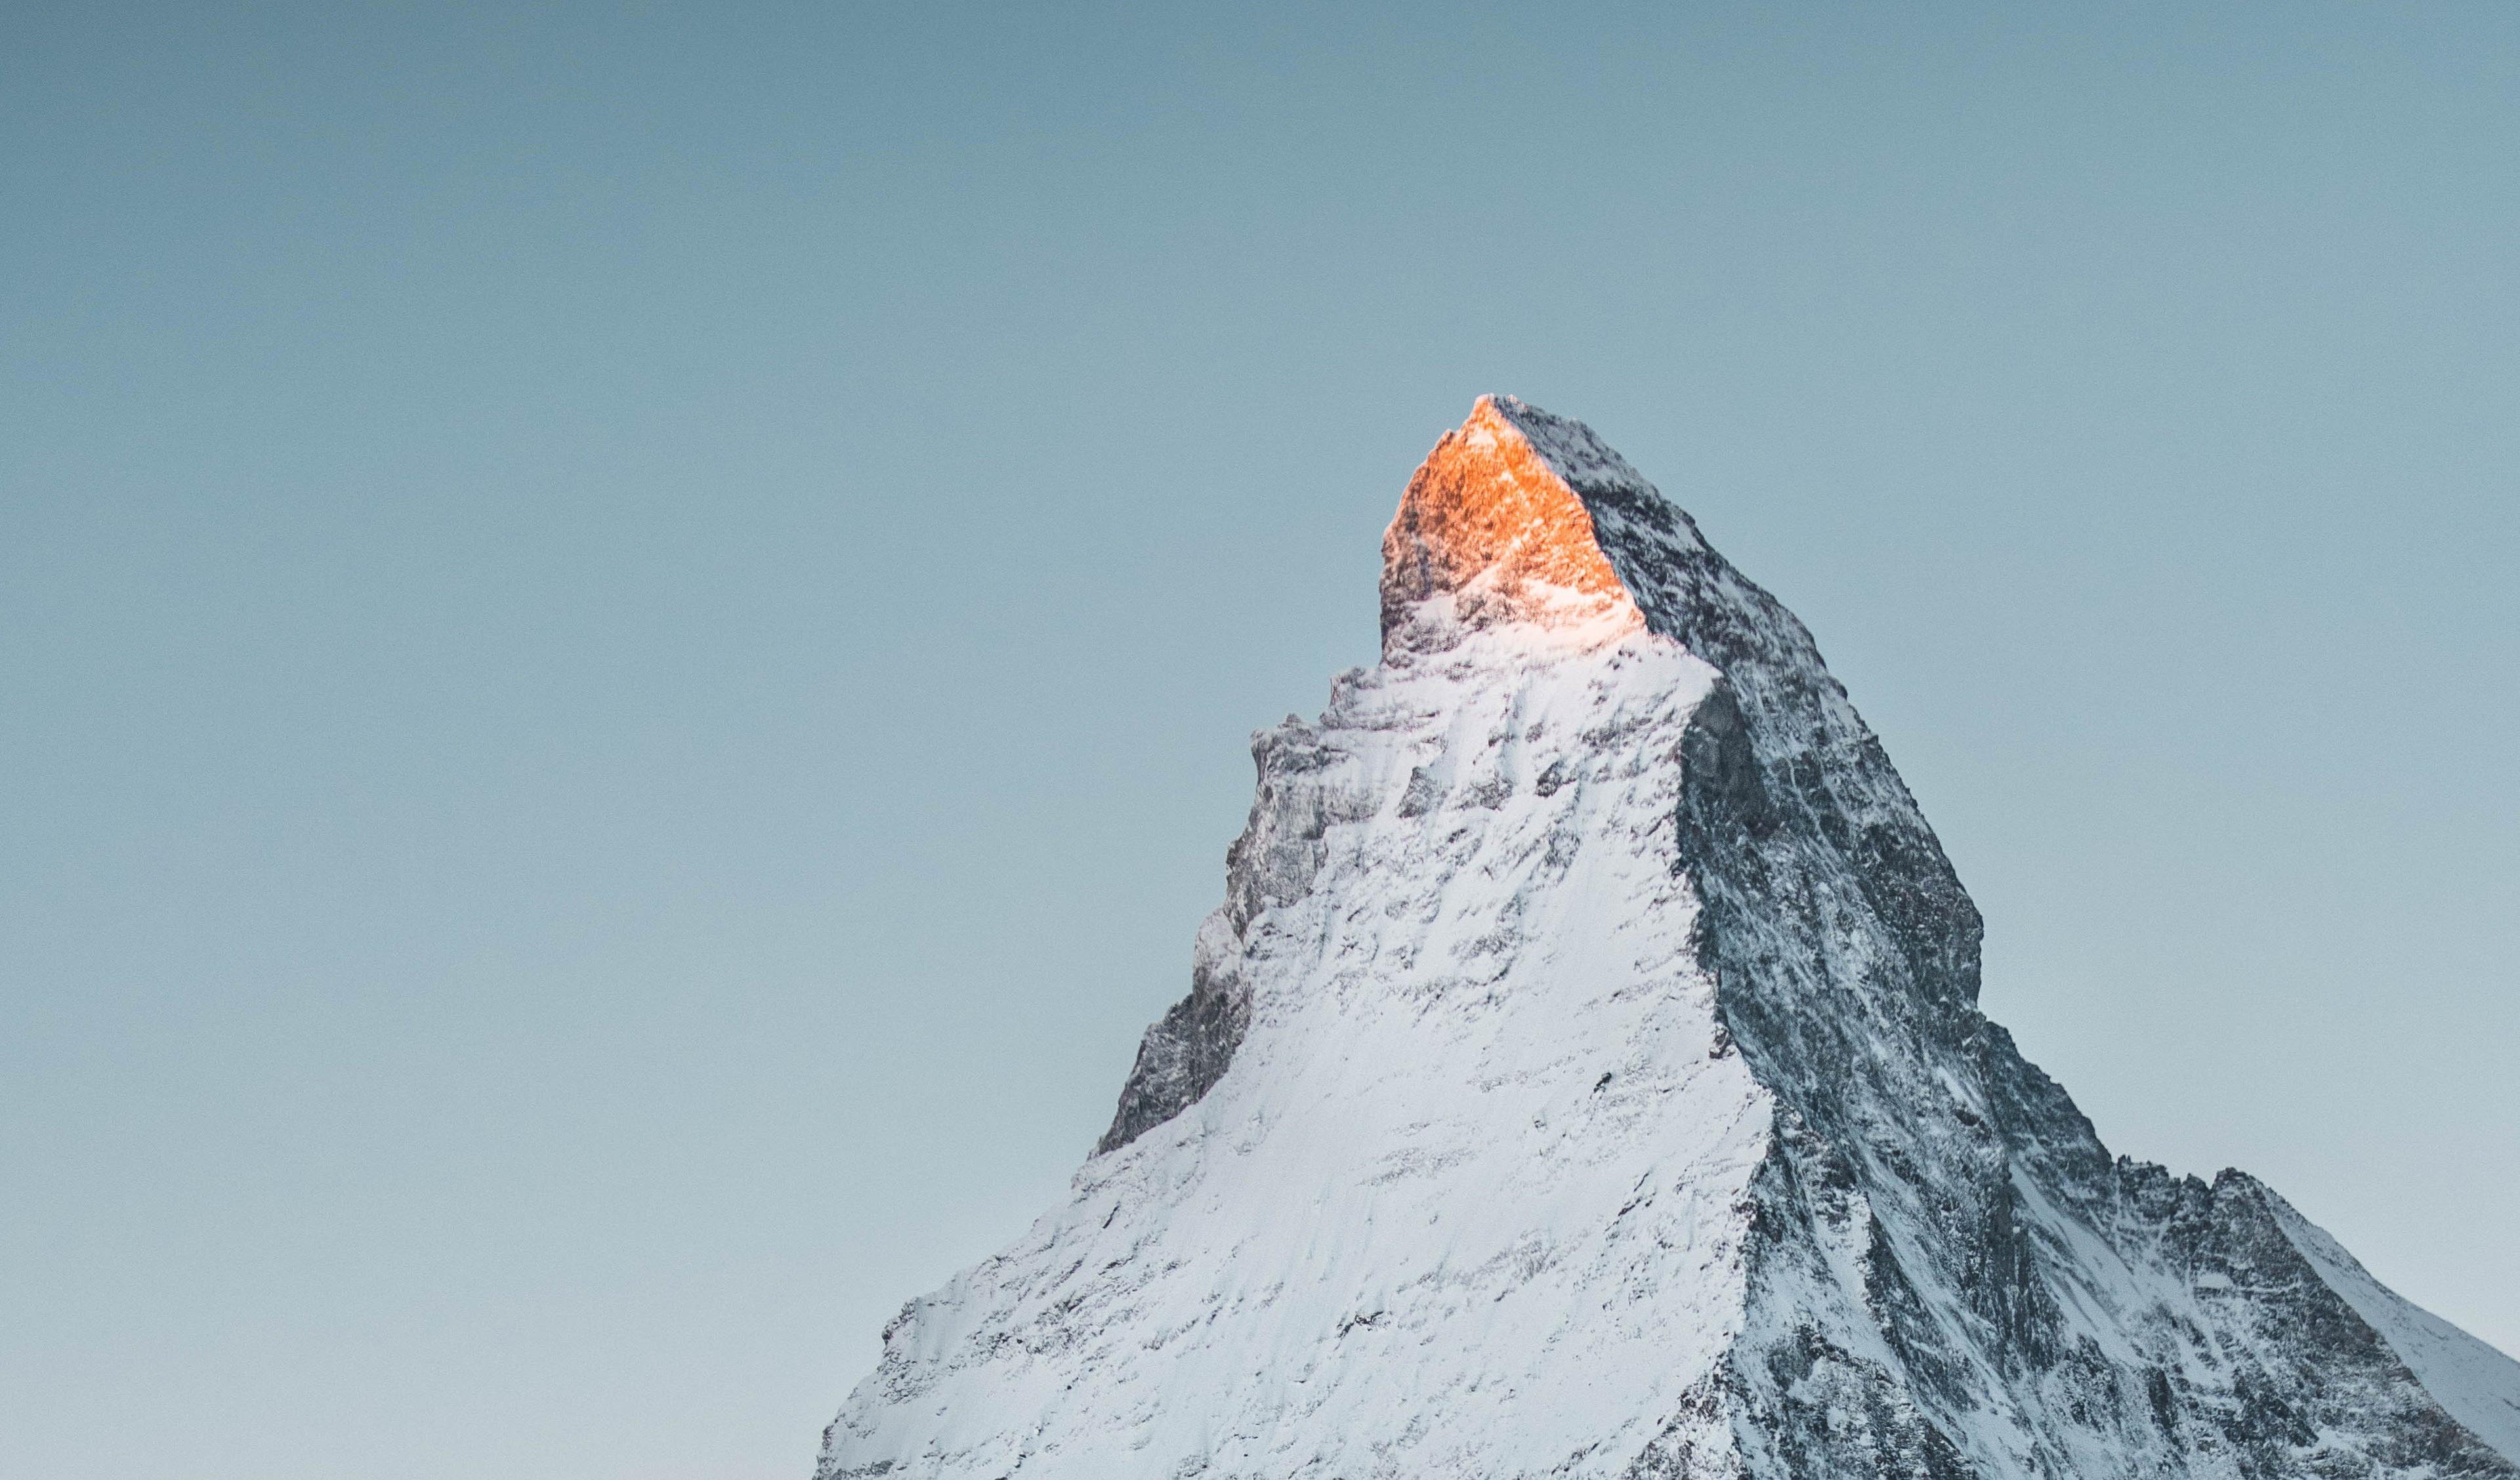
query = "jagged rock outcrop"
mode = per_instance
[{"x": 1584, "y": 1077}]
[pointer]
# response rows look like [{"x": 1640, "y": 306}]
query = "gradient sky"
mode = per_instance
[{"x": 629, "y": 631}]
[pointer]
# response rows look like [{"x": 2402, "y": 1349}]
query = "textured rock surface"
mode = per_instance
[{"x": 1584, "y": 1077}]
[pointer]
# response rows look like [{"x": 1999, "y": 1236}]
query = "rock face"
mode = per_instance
[{"x": 1584, "y": 1078}]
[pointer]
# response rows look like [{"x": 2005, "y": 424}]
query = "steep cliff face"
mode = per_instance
[{"x": 1584, "y": 1077}]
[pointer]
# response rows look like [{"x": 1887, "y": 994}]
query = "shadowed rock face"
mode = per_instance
[
  {"x": 1181, "y": 1058},
  {"x": 1584, "y": 1077}
]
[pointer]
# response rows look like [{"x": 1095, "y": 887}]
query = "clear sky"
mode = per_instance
[{"x": 628, "y": 631}]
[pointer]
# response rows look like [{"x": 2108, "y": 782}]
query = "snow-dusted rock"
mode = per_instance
[{"x": 1584, "y": 1077}]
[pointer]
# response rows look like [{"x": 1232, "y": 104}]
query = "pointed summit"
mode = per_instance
[{"x": 1489, "y": 522}]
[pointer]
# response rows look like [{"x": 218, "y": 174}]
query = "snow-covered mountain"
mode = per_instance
[{"x": 1584, "y": 1077}]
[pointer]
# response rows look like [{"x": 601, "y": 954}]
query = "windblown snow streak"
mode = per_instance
[{"x": 1584, "y": 1077}]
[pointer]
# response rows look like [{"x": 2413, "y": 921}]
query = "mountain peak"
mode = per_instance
[
  {"x": 1583, "y": 1077},
  {"x": 1491, "y": 524}
]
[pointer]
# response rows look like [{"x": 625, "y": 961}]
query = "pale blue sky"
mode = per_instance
[{"x": 628, "y": 633}]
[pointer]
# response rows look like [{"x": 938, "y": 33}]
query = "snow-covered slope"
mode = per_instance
[
  {"x": 1584, "y": 1077},
  {"x": 2474, "y": 1384}
]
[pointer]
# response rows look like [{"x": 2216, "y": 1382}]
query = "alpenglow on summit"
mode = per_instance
[{"x": 1584, "y": 1078}]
